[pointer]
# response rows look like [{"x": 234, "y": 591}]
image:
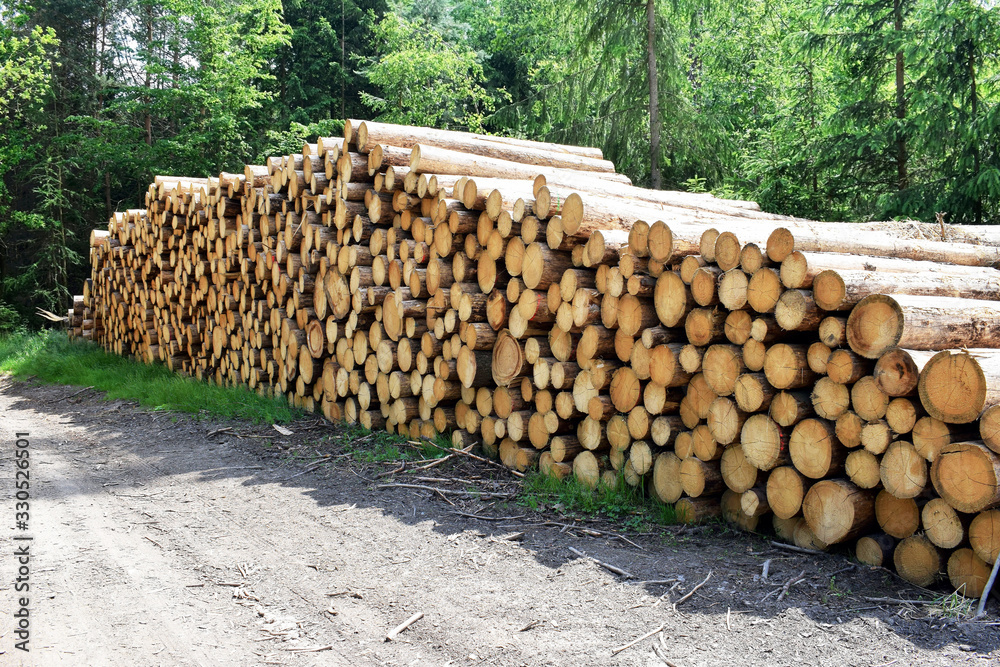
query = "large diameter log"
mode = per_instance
[
  {"x": 955, "y": 386},
  {"x": 880, "y": 322},
  {"x": 837, "y": 510},
  {"x": 840, "y": 238},
  {"x": 800, "y": 268},
  {"x": 967, "y": 476},
  {"x": 837, "y": 290},
  {"x": 425, "y": 158},
  {"x": 366, "y": 134}
]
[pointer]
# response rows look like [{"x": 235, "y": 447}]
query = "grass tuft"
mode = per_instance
[
  {"x": 52, "y": 358},
  {"x": 367, "y": 446},
  {"x": 627, "y": 506}
]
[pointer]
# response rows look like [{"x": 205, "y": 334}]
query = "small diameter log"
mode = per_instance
[
  {"x": 815, "y": 450},
  {"x": 876, "y": 437},
  {"x": 764, "y": 290},
  {"x": 902, "y": 414},
  {"x": 737, "y": 472},
  {"x": 862, "y": 468},
  {"x": 797, "y": 311},
  {"x": 764, "y": 443},
  {"x": 846, "y": 367},
  {"x": 984, "y": 535},
  {"x": 966, "y": 475},
  {"x": 667, "y": 478},
  {"x": 753, "y": 502},
  {"x": 849, "y": 428},
  {"x": 787, "y": 367},
  {"x": 955, "y": 386},
  {"x": 917, "y": 560},
  {"x": 587, "y": 469},
  {"x": 833, "y": 331},
  {"x": 989, "y": 427},
  {"x": 738, "y": 326},
  {"x": 790, "y": 407},
  {"x": 942, "y": 524},
  {"x": 903, "y": 470},
  {"x": 549, "y": 467},
  {"x": 732, "y": 512},
  {"x": 701, "y": 478},
  {"x": 875, "y": 550},
  {"x": 830, "y": 399},
  {"x": 786, "y": 488},
  {"x": 930, "y": 436},
  {"x": 837, "y": 510},
  {"x": 721, "y": 367},
  {"x": 704, "y": 326},
  {"x": 897, "y": 372},
  {"x": 725, "y": 420},
  {"x": 880, "y": 322},
  {"x": 898, "y": 517},
  {"x": 753, "y": 393},
  {"x": 696, "y": 510},
  {"x": 672, "y": 299},
  {"x": 867, "y": 400},
  {"x": 838, "y": 290},
  {"x": 968, "y": 573},
  {"x": 817, "y": 357}
]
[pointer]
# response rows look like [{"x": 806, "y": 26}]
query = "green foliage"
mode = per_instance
[
  {"x": 367, "y": 446},
  {"x": 627, "y": 506},
  {"x": 424, "y": 79},
  {"x": 52, "y": 358}
]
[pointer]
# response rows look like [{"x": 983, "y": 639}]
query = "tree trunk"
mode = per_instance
[{"x": 654, "y": 96}]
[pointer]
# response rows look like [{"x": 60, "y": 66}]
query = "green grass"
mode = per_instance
[
  {"x": 52, "y": 358},
  {"x": 367, "y": 446},
  {"x": 627, "y": 506}
]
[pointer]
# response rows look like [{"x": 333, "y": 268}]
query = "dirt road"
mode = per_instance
[{"x": 155, "y": 544}]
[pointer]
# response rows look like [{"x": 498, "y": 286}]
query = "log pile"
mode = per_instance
[{"x": 837, "y": 383}]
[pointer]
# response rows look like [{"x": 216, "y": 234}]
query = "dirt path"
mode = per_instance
[{"x": 156, "y": 545}]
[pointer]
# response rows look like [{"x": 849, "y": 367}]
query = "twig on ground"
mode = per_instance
[
  {"x": 897, "y": 601},
  {"x": 312, "y": 466},
  {"x": 445, "y": 498},
  {"x": 402, "y": 626},
  {"x": 766, "y": 569},
  {"x": 611, "y": 568},
  {"x": 153, "y": 541},
  {"x": 217, "y": 431},
  {"x": 463, "y": 452},
  {"x": 77, "y": 393},
  {"x": 529, "y": 626},
  {"x": 313, "y": 649},
  {"x": 432, "y": 489},
  {"x": 694, "y": 590},
  {"x": 791, "y": 582},
  {"x": 636, "y": 641},
  {"x": 387, "y": 473},
  {"x": 489, "y": 518},
  {"x": 792, "y": 547}
]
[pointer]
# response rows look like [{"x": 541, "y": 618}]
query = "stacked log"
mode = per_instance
[{"x": 835, "y": 383}]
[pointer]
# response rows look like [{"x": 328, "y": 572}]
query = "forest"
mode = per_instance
[{"x": 838, "y": 110}]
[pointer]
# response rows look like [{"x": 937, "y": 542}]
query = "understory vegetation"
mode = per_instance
[{"x": 50, "y": 357}]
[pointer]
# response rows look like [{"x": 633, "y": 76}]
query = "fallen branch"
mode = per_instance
[
  {"x": 402, "y": 626},
  {"x": 433, "y": 489},
  {"x": 472, "y": 456},
  {"x": 611, "y": 568},
  {"x": 791, "y": 582},
  {"x": 898, "y": 601},
  {"x": 489, "y": 518},
  {"x": 217, "y": 431},
  {"x": 56, "y": 400},
  {"x": 792, "y": 547},
  {"x": 636, "y": 641},
  {"x": 313, "y": 649},
  {"x": 693, "y": 590}
]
